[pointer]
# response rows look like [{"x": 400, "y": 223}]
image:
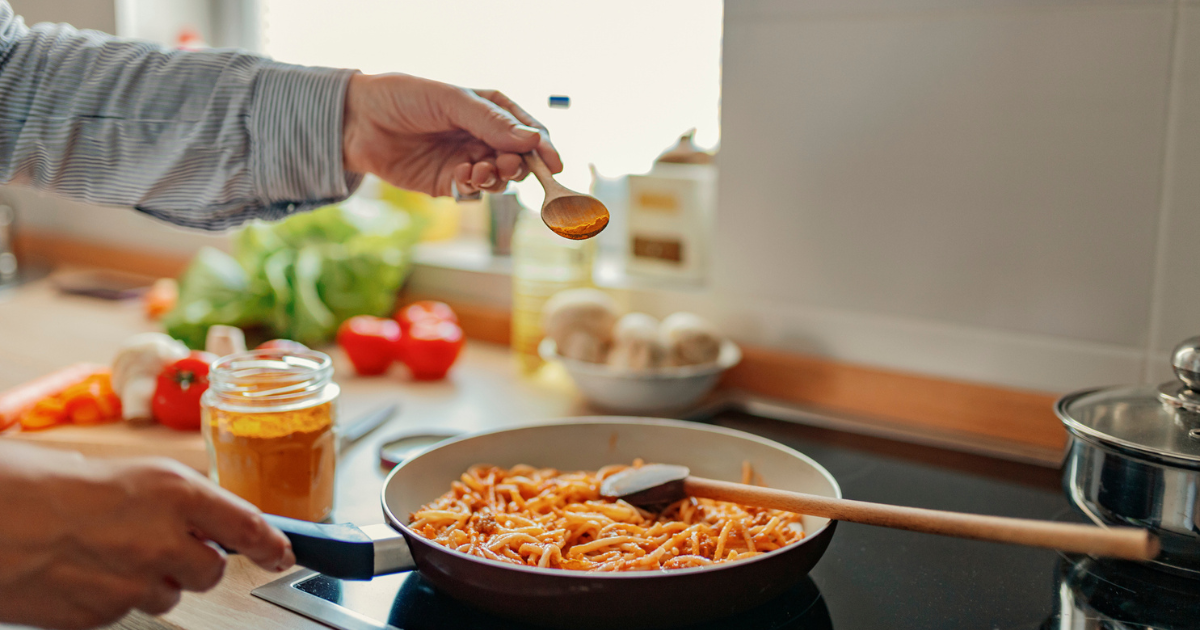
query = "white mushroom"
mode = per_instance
[
  {"x": 580, "y": 321},
  {"x": 689, "y": 339},
  {"x": 136, "y": 368},
  {"x": 635, "y": 343}
]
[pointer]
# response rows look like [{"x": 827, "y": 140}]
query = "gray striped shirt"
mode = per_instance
[{"x": 201, "y": 139}]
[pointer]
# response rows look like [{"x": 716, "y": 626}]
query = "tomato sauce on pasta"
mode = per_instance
[{"x": 546, "y": 518}]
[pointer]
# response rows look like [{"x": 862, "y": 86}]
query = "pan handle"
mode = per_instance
[{"x": 344, "y": 550}]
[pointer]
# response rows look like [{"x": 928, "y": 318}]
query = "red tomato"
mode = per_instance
[
  {"x": 430, "y": 348},
  {"x": 370, "y": 342},
  {"x": 282, "y": 344},
  {"x": 176, "y": 402},
  {"x": 425, "y": 309}
]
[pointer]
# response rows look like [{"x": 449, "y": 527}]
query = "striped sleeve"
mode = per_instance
[{"x": 206, "y": 140}]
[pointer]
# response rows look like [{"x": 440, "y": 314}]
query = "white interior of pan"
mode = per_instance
[{"x": 590, "y": 443}]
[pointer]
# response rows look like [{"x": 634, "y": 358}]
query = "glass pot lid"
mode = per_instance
[{"x": 1159, "y": 423}]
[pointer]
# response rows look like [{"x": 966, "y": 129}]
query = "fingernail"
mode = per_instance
[
  {"x": 287, "y": 562},
  {"x": 490, "y": 182},
  {"x": 523, "y": 132}
]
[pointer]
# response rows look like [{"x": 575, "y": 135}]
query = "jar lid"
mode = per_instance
[
  {"x": 1158, "y": 423},
  {"x": 276, "y": 376}
]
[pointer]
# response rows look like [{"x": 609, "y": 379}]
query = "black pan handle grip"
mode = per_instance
[{"x": 341, "y": 550}]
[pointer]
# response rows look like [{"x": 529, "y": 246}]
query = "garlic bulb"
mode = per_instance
[{"x": 136, "y": 368}]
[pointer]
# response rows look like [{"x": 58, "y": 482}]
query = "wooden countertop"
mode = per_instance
[{"x": 41, "y": 330}]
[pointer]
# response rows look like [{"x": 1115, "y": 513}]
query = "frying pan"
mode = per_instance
[{"x": 577, "y": 599}]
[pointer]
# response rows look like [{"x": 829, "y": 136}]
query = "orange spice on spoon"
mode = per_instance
[{"x": 569, "y": 214}]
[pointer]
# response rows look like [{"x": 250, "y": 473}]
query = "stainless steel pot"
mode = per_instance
[{"x": 1134, "y": 458}]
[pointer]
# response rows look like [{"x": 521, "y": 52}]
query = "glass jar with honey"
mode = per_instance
[{"x": 269, "y": 420}]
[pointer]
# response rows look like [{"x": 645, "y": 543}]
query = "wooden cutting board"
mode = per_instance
[{"x": 121, "y": 439}]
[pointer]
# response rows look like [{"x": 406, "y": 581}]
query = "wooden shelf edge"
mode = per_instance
[
  {"x": 920, "y": 401},
  {"x": 53, "y": 250}
]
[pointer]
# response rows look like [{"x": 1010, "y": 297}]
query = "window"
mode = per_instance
[{"x": 638, "y": 72}]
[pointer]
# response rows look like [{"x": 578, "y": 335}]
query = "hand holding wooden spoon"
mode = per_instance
[{"x": 659, "y": 484}]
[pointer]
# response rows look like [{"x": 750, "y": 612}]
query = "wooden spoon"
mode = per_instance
[
  {"x": 570, "y": 214},
  {"x": 660, "y": 484}
]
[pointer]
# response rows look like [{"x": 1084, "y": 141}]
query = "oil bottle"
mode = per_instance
[{"x": 544, "y": 263}]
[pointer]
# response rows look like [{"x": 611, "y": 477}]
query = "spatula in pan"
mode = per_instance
[{"x": 656, "y": 485}]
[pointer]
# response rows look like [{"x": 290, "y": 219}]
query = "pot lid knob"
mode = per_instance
[{"x": 1186, "y": 361}]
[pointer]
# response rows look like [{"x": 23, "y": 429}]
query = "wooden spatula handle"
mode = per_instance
[{"x": 1123, "y": 542}]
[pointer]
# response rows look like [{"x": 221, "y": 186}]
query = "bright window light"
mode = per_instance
[{"x": 638, "y": 72}]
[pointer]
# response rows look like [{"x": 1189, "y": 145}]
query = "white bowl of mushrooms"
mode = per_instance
[{"x": 633, "y": 363}]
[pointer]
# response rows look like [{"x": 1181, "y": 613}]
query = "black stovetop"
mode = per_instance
[{"x": 873, "y": 578}]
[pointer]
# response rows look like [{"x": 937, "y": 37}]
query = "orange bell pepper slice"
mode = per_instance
[
  {"x": 15, "y": 402},
  {"x": 44, "y": 414},
  {"x": 92, "y": 401},
  {"x": 84, "y": 410}
]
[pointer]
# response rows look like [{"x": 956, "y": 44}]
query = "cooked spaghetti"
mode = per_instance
[{"x": 541, "y": 517}]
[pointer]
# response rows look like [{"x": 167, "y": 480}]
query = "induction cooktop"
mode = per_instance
[{"x": 870, "y": 577}]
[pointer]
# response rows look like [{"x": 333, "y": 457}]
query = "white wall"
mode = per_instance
[
  {"x": 994, "y": 190},
  {"x": 1176, "y": 308},
  {"x": 123, "y": 227},
  {"x": 99, "y": 15},
  {"x": 161, "y": 20}
]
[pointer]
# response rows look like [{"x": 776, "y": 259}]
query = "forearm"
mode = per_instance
[
  {"x": 203, "y": 139},
  {"x": 28, "y": 473},
  {"x": 32, "y": 484},
  {"x": 27, "y": 460}
]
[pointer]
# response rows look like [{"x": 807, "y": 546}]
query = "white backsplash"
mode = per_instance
[
  {"x": 1177, "y": 304},
  {"x": 42, "y": 212},
  {"x": 972, "y": 190}
]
